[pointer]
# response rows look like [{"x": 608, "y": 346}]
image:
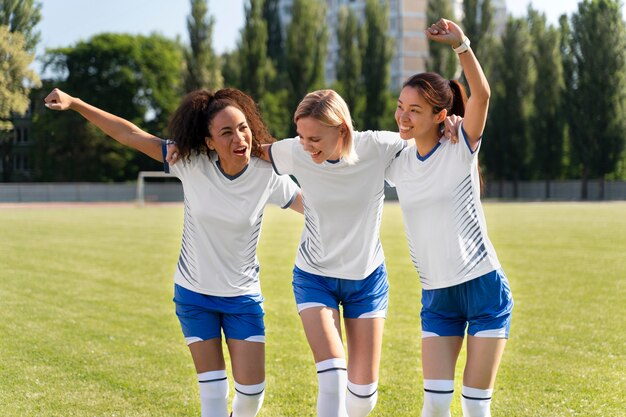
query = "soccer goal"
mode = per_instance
[{"x": 167, "y": 187}]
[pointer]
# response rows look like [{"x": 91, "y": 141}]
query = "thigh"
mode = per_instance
[
  {"x": 483, "y": 358},
  {"x": 439, "y": 356},
  {"x": 248, "y": 361},
  {"x": 207, "y": 355},
  {"x": 322, "y": 326},
  {"x": 365, "y": 338},
  {"x": 198, "y": 321}
]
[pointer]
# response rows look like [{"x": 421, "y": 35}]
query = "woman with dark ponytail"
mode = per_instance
[
  {"x": 217, "y": 277},
  {"x": 438, "y": 184}
]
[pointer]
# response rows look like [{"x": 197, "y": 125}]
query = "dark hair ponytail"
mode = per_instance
[
  {"x": 459, "y": 98},
  {"x": 189, "y": 124}
]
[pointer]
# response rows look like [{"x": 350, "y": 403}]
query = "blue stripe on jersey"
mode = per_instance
[
  {"x": 269, "y": 152},
  {"x": 166, "y": 166},
  {"x": 187, "y": 251},
  {"x": 291, "y": 200},
  {"x": 473, "y": 248}
]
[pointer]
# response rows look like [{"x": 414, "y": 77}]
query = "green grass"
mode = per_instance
[{"x": 88, "y": 327}]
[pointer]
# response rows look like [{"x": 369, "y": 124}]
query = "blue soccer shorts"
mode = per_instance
[
  {"x": 204, "y": 317},
  {"x": 364, "y": 298},
  {"x": 483, "y": 305}
]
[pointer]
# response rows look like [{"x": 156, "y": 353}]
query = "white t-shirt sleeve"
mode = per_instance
[
  {"x": 284, "y": 190},
  {"x": 184, "y": 167},
  {"x": 463, "y": 147},
  {"x": 281, "y": 155},
  {"x": 391, "y": 173},
  {"x": 390, "y": 144}
]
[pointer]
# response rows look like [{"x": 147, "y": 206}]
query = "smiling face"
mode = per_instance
[
  {"x": 231, "y": 138},
  {"x": 415, "y": 116},
  {"x": 320, "y": 141}
]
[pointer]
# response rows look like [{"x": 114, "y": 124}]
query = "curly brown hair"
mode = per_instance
[{"x": 190, "y": 123}]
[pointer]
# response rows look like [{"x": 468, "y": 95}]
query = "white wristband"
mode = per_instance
[{"x": 463, "y": 47}]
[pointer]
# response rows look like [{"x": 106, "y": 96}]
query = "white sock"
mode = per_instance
[
  {"x": 361, "y": 399},
  {"x": 438, "y": 395},
  {"x": 476, "y": 402},
  {"x": 331, "y": 395},
  {"x": 213, "y": 393},
  {"x": 248, "y": 399}
]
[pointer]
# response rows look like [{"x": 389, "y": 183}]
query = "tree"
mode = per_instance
[
  {"x": 275, "y": 41},
  {"x": 348, "y": 67},
  {"x": 478, "y": 26},
  {"x": 441, "y": 58},
  {"x": 307, "y": 40},
  {"x": 508, "y": 129},
  {"x": 22, "y": 16},
  {"x": 253, "y": 51},
  {"x": 596, "y": 77},
  {"x": 547, "y": 122},
  {"x": 203, "y": 66},
  {"x": 135, "y": 77},
  {"x": 376, "y": 73},
  {"x": 17, "y": 80}
]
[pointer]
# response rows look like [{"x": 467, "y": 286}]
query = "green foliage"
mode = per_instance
[
  {"x": 274, "y": 109},
  {"x": 478, "y": 26},
  {"x": 16, "y": 78},
  {"x": 349, "y": 73},
  {"x": 306, "y": 46},
  {"x": 508, "y": 147},
  {"x": 253, "y": 57},
  {"x": 203, "y": 66},
  {"x": 230, "y": 68},
  {"x": 22, "y": 16},
  {"x": 547, "y": 121},
  {"x": 134, "y": 77},
  {"x": 275, "y": 41},
  {"x": 86, "y": 295},
  {"x": 378, "y": 48},
  {"x": 595, "y": 70},
  {"x": 441, "y": 58}
]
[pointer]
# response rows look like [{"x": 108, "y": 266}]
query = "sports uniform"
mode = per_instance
[
  {"x": 218, "y": 271},
  {"x": 340, "y": 260},
  {"x": 342, "y": 208},
  {"x": 458, "y": 267}
]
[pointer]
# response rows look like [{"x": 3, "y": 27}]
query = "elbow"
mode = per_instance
[{"x": 482, "y": 95}]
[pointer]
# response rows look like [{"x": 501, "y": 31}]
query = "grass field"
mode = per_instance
[{"x": 88, "y": 327}]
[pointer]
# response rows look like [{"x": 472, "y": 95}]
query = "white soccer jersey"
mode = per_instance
[
  {"x": 222, "y": 224},
  {"x": 440, "y": 198},
  {"x": 342, "y": 204}
]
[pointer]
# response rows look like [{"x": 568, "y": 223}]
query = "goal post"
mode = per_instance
[{"x": 141, "y": 183}]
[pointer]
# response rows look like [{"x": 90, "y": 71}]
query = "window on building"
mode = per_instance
[
  {"x": 18, "y": 135},
  {"x": 25, "y": 135}
]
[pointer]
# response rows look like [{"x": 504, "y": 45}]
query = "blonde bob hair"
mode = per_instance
[{"x": 327, "y": 107}]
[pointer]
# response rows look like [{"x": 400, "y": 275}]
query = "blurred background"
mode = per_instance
[{"x": 557, "y": 72}]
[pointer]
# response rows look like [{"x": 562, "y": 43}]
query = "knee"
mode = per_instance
[
  {"x": 361, "y": 398},
  {"x": 332, "y": 375}
]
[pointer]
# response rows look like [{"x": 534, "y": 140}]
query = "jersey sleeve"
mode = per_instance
[
  {"x": 284, "y": 190},
  {"x": 463, "y": 147},
  {"x": 281, "y": 155},
  {"x": 390, "y": 144},
  {"x": 183, "y": 167},
  {"x": 391, "y": 173}
]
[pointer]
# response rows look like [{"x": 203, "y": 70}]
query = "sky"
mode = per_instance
[{"x": 65, "y": 22}]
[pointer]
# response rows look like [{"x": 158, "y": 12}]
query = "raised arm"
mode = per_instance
[
  {"x": 448, "y": 32},
  {"x": 119, "y": 129}
]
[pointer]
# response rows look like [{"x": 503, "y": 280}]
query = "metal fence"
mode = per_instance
[{"x": 171, "y": 191}]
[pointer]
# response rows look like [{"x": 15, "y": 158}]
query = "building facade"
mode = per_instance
[{"x": 407, "y": 21}]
